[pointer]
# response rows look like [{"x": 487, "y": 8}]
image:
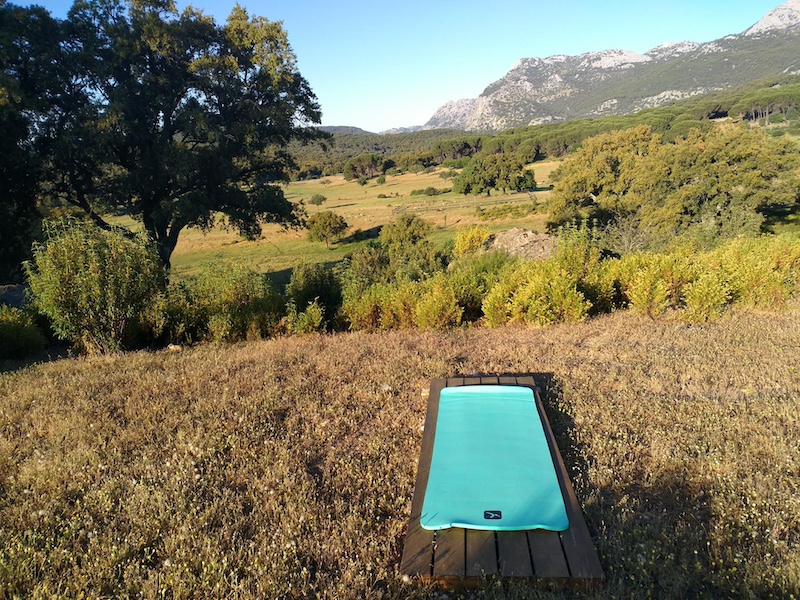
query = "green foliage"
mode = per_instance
[
  {"x": 93, "y": 285},
  {"x": 471, "y": 240},
  {"x": 409, "y": 254},
  {"x": 760, "y": 272},
  {"x": 429, "y": 191},
  {"x": 19, "y": 335},
  {"x": 365, "y": 166},
  {"x": 310, "y": 320},
  {"x": 226, "y": 303},
  {"x": 236, "y": 303},
  {"x": 705, "y": 298},
  {"x": 485, "y": 173},
  {"x": 535, "y": 293},
  {"x": 177, "y": 119},
  {"x": 326, "y": 226},
  {"x": 472, "y": 277},
  {"x": 315, "y": 284},
  {"x": 578, "y": 253},
  {"x": 317, "y": 199},
  {"x": 29, "y": 40},
  {"x": 654, "y": 283},
  {"x": 708, "y": 186},
  {"x": 437, "y": 307}
]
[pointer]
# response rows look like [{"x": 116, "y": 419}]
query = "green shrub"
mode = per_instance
[
  {"x": 429, "y": 191},
  {"x": 317, "y": 199},
  {"x": 548, "y": 297},
  {"x": 471, "y": 278},
  {"x": 536, "y": 293},
  {"x": 437, "y": 306},
  {"x": 761, "y": 272},
  {"x": 177, "y": 316},
  {"x": 224, "y": 303},
  {"x": 654, "y": 283},
  {"x": 471, "y": 240},
  {"x": 399, "y": 305},
  {"x": 19, "y": 335},
  {"x": 310, "y": 320},
  {"x": 235, "y": 303},
  {"x": 579, "y": 256},
  {"x": 363, "y": 310},
  {"x": 706, "y": 298},
  {"x": 326, "y": 226},
  {"x": 93, "y": 285},
  {"x": 315, "y": 282}
]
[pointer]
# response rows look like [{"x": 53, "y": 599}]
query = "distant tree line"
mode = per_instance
[{"x": 416, "y": 152}]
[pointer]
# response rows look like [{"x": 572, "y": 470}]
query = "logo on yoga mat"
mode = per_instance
[{"x": 492, "y": 515}]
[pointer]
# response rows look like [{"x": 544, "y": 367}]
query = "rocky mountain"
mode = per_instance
[{"x": 558, "y": 88}]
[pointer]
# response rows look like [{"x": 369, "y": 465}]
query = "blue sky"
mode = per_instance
[{"x": 378, "y": 65}]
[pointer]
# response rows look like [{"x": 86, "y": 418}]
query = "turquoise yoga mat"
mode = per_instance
[{"x": 491, "y": 467}]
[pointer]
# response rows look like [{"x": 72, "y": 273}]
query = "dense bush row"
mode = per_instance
[{"x": 102, "y": 291}]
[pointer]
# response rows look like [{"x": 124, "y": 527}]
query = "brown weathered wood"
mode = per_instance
[
  {"x": 472, "y": 381},
  {"x": 449, "y": 553},
  {"x": 455, "y": 381},
  {"x": 512, "y": 554},
  {"x": 577, "y": 543},
  {"x": 579, "y": 549},
  {"x": 489, "y": 380},
  {"x": 426, "y": 450},
  {"x": 417, "y": 550},
  {"x": 506, "y": 380},
  {"x": 418, "y": 547},
  {"x": 481, "y": 553},
  {"x": 547, "y": 554}
]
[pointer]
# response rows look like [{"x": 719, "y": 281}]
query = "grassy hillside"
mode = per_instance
[
  {"x": 363, "y": 210},
  {"x": 285, "y": 468}
]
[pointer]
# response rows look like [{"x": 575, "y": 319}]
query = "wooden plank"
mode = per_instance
[
  {"x": 449, "y": 553},
  {"x": 578, "y": 547},
  {"x": 506, "y": 380},
  {"x": 426, "y": 450},
  {"x": 528, "y": 381},
  {"x": 481, "y": 553},
  {"x": 455, "y": 381},
  {"x": 418, "y": 547},
  {"x": 417, "y": 550},
  {"x": 513, "y": 556},
  {"x": 489, "y": 380},
  {"x": 547, "y": 555},
  {"x": 472, "y": 381}
]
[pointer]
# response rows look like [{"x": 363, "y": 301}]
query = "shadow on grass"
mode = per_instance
[
  {"x": 779, "y": 214},
  {"x": 360, "y": 235},
  {"x": 9, "y": 365},
  {"x": 650, "y": 532}
]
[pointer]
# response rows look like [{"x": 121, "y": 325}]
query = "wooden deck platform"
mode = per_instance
[{"x": 461, "y": 558}]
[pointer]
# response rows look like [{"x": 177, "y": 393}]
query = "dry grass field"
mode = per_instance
[
  {"x": 363, "y": 210},
  {"x": 284, "y": 468}
]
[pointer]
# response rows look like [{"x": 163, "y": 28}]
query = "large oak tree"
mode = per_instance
[{"x": 175, "y": 119}]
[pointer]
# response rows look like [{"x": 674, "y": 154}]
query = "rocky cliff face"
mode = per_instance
[{"x": 544, "y": 90}]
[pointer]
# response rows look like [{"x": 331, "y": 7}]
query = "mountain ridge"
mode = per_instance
[{"x": 562, "y": 87}]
